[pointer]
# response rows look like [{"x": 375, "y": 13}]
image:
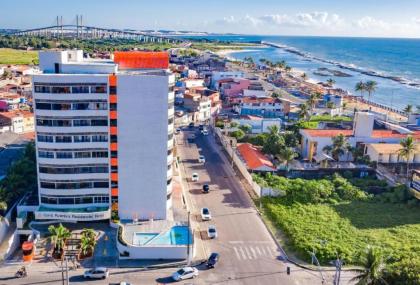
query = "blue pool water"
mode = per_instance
[
  {"x": 143, "y": 238},
  {"x": 178, "y": 235}
]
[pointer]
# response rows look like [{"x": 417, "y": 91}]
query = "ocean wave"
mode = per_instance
[{"x": 352, "y": 67}]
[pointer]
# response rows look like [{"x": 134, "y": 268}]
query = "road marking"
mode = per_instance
[
  {"x": 242, "y": 253},
  {"x": 247, "y": 252},
  {"x": 236, "y": 252},
  {"x": 270, "y": 252},
  {"x": 253, "y": 252},
  {"x": 259, "y": 251}
]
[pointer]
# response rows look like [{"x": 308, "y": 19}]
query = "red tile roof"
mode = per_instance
[{"x": 254, "y": 158}]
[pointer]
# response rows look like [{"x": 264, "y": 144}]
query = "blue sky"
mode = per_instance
[{"x": 388, "y": 18}]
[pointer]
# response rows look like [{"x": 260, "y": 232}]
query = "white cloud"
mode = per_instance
[
  {"x": 316, "y": 23},
  {"x": 371, "y": 23}
]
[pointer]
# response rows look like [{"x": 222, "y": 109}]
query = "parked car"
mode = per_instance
[
  {"x": 194, "y": 177},
  {"x": 201, "y": 127},
  {"x": 97, "y": 273},
  {"x": 213, "y": 260},
  {"x": 206, "y": 188},
  {"x": 191, "y": 125},
  {"x": 205, "y": 214},
  {"x": 201, "y": 159},
  {"x": 211, "y": 232},
  {"x": 185, "y": 273}
]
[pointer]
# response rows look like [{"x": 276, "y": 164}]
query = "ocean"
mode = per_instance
[{"x": 393, "y": 63}]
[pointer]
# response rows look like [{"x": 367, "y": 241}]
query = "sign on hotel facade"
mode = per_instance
[{"x": 51, "y": 215}]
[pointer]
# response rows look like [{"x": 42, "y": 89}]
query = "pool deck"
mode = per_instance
[{"x": 155, "y": 227}]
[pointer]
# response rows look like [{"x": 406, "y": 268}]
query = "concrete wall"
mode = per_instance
[
  {"x": 142, "y": 146},
  {"x": 153, "y": 252}
]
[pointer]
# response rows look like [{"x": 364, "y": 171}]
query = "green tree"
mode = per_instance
[
  {"x": 59, "y": 234},
  {"x": 330, "y": 82},
  {"x": 304, "y": 76},
  {"x": 234, "y": 124},
  {"x": 408, "y": 147},
  {"x": 313, "y": 99},
  {"x": 408, "y": 109},
  {"x": 238, "y": 134},
  {"x": 304, "y": 112},
  {"x": 360, "y": 87},
  {"x": 371, "y": 87},
  {"x": 88, "y": 241},
  {"x": 245, "y": 128},
  {"x": 287, "y": 68},
  {"x": 330, "y": 105},
  {"x": 338, "y": 148},
  {"x": 373, "y": 269},
  {"x": 287, "y": 154},
  {"x": 274, "y": 141}
]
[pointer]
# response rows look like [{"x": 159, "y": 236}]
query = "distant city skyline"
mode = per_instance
[{"x": 365, "y": 18}]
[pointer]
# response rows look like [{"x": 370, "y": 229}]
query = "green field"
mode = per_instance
[
  {"x": 13, "y": 56},
  {"x": 334, "y": 216}
]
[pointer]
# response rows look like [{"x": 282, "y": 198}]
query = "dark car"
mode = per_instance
[
  {"x": 191, "y": 125},
  {"x": 213, "y": 259},
  {"x": 201, "y": 127},
  {"x": 206, "y": 188}
]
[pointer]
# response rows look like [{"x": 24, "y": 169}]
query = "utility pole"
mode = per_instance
[
  {"x": 315, "y": 259},
  {"x": 81, "y": 26},
  {"x": 62, "y": 272},
  {"x": 67, "y": 271},
  {"x": 338, "y": 265}
]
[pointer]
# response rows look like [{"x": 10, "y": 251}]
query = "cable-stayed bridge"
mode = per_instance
[{"x": 80, "y": 31}]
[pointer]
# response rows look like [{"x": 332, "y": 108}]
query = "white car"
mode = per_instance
[
  {"x": 185, "y": 273},
  {"x": 201, "y": 159},
  {"x": 96, "y": 273},
  {"x": 205, "y": 214},
  {"x": 211, "y": 232},
  {"x": 205, "y": 132},
  {"x": 194, "y": 177}
]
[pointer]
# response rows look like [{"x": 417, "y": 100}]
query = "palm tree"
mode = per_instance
[
  {"x": 58, "y": 236},
  {"x": 287, "y": 68},
  {"x": 3, "y": 208},
  {"x": 371, "y": 87},
  {"x": 338, "y": 148},
  {"x": 313, "y": 99},
  {"x": 287, "y": 154},
  {"x": 360, "y": 87},
  {"x": 88, "y": 241},
  {"x": 330, "y": 82},
  {"x": 408, "y": 147},
  {"x": 408, "y": 109},
  {"x": 304, "y": 76},
  {"x": 304, "y": 112},
  {"x": 89, "y": 233},
  {"x": 281, "y": 64},
  {"x": 373, "y": 269},
  {"x": 274, "y": 142}
]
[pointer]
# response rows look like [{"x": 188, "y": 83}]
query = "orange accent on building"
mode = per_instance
[
  {"x": 114, "y": 206},
  {"x": 114, "y": 161},
  {"x": 141, "y": 59},
  {"x": 113, "y": 114},
  {"x": 114, "y": 176},
  {"x": 114, "y": 192},
  {"x": 114, "y": 146},
  {"x": 113, "y": 130},
  {"x": 112, "y": 80},
  {"x": 112, "y": 98}
]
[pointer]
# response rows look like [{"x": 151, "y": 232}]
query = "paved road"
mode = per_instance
[{"x": 248, "y": 253}]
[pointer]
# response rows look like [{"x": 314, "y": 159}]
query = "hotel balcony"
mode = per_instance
[
  {"x": 72, "y": 113},
  {"x": 71, "y": 161},
  {"x": 68, "y": 130}
]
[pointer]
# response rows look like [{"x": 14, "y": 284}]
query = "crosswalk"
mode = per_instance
[{"x": 254, "y": 250}]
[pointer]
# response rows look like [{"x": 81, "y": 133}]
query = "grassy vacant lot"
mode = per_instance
[
  {"x": 331, "y": 216},
  {"x": 13, "y": 56}
]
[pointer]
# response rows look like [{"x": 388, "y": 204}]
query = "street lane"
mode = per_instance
[{"x": 248, "y": 253}]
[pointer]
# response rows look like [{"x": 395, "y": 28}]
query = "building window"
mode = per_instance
[
  {"x": 99, "y": 123},
  {"x": 63, "y": 139},
  {"x": 81, "y": 139},
  {"x": 46, "y": 154},
  {"x": 80, "y": 89},
  {"x": 43, "y": 106},
  {"x": 99, "y": 154},
  {"x": 84, "y": 154},
  {"x": 80, "y": 106},
  {"x": 99, "y": 138},
  {"x": 43, "y": 138},
  {"x": 98, "y": 89},
  {"x": 113, "y": 106},
  {"x": 61, "y": 89},
  {"x": 64, "y": 155},
  {"x": 114, "y": 154},
  {"x": 112, "y": 90}
]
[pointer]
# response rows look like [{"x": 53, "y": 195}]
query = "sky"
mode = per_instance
[{"x": 365, "y": 18}]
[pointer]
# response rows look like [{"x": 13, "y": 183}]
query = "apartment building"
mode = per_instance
[
  {"x": 17, "y": 121},
  {"x": 104, "y": 136}
]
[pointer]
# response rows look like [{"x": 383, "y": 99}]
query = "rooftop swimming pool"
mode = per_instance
[{"x": 177, "y": 235}]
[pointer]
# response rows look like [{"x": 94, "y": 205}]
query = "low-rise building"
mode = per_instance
[
  {"x": 388, "y": 153},
  {"x": 259, "y": 124},
  {"x": 254, "y": 159},
  {"x": 313, "y": 141},
  {"x": 199, "y": 106},
  {"x": 264, "y": 107},
  {"x": 17, "y": 121},
  {"x": 218, "y": 75}
]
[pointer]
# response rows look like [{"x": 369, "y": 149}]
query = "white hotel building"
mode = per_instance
[{"x": 104, "y": 136}]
